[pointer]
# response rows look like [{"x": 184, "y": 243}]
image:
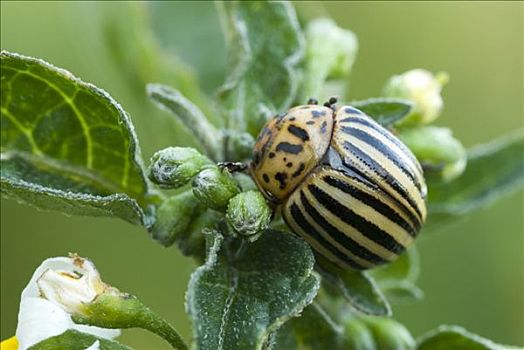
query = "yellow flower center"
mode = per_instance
[{"x": 9, "y": 344}]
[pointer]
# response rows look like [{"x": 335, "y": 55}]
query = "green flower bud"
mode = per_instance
[
  {"x": 173, "y": 217},
  {"x": 245, "y": 182},
  {"x": 239, "y": 145},
  {"x": 214, "y": 188},
  {"x": 248, "y": 213},
  {"x": 357, "y": 335},
  {"x": 442, "y": 156},
  {"x": 192, "y": 241},
  {"x": 174, "y": 167},
  {"x": 330, "y": 54},
  {"x": 421, "y": 87},
  {"x": 389, "y": 334}
]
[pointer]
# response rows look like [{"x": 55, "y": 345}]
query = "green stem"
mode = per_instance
[
  {"x": 155, "y": 324},
  {"x": 191, "y": 116},
  {"x": 114, "y": 309}
]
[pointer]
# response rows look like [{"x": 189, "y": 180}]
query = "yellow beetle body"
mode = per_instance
[{"x": 344, "y": 183}]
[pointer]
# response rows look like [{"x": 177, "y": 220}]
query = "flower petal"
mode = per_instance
[
  {"x": 59, "y": 263},
  {"x": 99, "y": 332},
  {"x": 94, "y": 346},
  {"x": 39, "y": 319}
]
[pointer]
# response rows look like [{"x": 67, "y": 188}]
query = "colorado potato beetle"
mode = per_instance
[{"x": 341, "y": 181}]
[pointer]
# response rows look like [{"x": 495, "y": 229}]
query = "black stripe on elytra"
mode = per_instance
[
  {"x": 370, "y": 201},
  {"x": 383, "y": 173},
  {"x": 358, "y": 175},
  {"x": 289, "y": 148},
  {"x": 298, "y": 132},
  {"x": 353, "y": 110},
  {"x": 310, "y": 231},
  {"x": 339, "y": 236},
  {"x": 384, "y": 132},
  {"x": 385, "y": 150},
  {"x": 367, "y": 228}
]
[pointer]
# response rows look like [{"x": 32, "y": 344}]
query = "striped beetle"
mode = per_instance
[{"x": 343, "y": 182}]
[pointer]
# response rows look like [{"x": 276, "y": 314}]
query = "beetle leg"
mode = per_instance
[
  {"x": 312, "y": 101},
  {"x": 427, "y": 167},
  {"x": 233, "y": 167}
]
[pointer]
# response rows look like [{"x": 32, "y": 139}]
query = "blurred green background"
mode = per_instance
[{"x": 472, "y": 271}]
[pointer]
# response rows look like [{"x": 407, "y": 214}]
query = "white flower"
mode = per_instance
[
  {"x": 421, "y": 87},
  {"x": 59, "y": 286},
  {"x": 71, "y": 289}
]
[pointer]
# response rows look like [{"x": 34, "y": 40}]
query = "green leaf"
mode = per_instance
[
  {"x": 67, "y": 145},
  {"x": 314, "y": 329},
  {"x": 245, "y": 291},
  {"x": 357, "y": 287},
  {"x": 454, "y": 337},
  {"x": 397, "y": 279},
  {"x": 494, "y": 169},
  {"x": 173, "y": 217},
  {"x": 386, "y": 111},
  {"x": 265, "y": 46},
  {"x": 75, "y": 340}
]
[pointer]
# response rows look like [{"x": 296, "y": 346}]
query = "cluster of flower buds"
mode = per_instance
[{"x": 213, "y": 188}]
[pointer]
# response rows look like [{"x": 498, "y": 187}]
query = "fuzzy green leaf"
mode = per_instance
[
  {"x": 493, "y": 170},
  {"x": 453, "y": 337},
  {"x": 245, "y": 291},
  {"x": 314, "y": 329},
  {"x": 67, "y": 145},
  {"x": 265, "y": 45},
  {"x": 75, "y": 340},
  {"x": 386, "y": 111},
  {"x": 357, "y": 287}
]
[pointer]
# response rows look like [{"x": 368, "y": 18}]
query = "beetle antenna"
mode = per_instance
[
  {"x": 331, "y": 103},
  {"x": 312, "y": 101}
]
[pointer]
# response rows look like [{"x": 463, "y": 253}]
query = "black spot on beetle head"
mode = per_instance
[
  {"x": 281, "y": 178},
  {"x": 298, "y": 132},
  {"x": 299, "y": 171},
  {"x": 323, "y": 127},
  {"x": 289, "y": 148},
  {"x": 318, "y": 114}
]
